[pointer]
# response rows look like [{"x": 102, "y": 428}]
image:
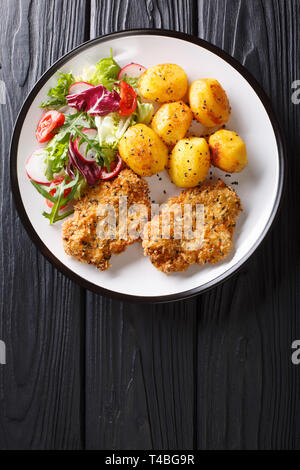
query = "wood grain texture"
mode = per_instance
[
  {"x": 248, "y": 390},
  {"x": 40, "y": 386},
  {"x": 139, "y": 382},
  {"x": 140, "y": 362},
  {"x": 108, "y": 16}
]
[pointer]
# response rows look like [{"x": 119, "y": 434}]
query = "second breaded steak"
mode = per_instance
[{"x": 221, "y": 208}]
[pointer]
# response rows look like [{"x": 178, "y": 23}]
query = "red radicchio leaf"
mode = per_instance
[
  {"x": 97, "y": 101},
  {"x": 90, "y": 171}
]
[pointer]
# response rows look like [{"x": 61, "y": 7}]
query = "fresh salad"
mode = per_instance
[{"x": 84, "y": 120}]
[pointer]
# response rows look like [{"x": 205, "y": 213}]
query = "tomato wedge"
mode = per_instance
[
  {"x": 115, "y": 167},
  {"x": 128, "y": 101},
  {"x": 50, "y": 121},
  {"x": 56, "y": 182}
]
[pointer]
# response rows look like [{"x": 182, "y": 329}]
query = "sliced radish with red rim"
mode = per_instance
[
  {"x": 78, "y": 87},
  {"x": 131, "y": 71},
  {"x": 36, "y": 166},
  {"x": 90, "y": 155},
  {"x": 115, "y": 168}
]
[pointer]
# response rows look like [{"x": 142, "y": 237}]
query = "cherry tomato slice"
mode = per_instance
[
  {"x": 56, "y": 182},
  {"x": 50, "y": 121},
  {"x": 128, "y": 101},
  {"x": 115, "y": 167}
]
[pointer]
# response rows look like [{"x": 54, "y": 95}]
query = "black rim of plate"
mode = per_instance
[{"x": 15, "y": 184}]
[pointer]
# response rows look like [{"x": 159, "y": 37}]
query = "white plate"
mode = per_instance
[{"x": 259, "y": 185}]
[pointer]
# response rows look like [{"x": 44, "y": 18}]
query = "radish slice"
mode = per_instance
[
  {"x": 36, "y": 167},
  {"x": 78, "y": 87},
  {"x": 90, "y": 157},
  {"x": 132, "y": 71},
  {"x": 117, "y": 165}
]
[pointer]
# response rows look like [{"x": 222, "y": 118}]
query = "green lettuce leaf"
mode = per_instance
[
  {"x": 144, "y": 112},
  {"x": 57, "y": 157},
  {"x": 112, "y": 127},
  {"x": 59, "y": 199},
  {"x": 105, "y": 72},
  {"x": 104, "y": 153}
]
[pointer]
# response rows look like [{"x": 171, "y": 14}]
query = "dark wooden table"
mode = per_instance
[{"x": 214, "y": 372}]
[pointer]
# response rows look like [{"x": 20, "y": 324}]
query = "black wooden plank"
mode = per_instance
[
  {"x": 40, "y": 386},
  {"x": 140, "y": 358},
  {"x": 139, "y": 375},
  {"x": 248, "y": 390}
]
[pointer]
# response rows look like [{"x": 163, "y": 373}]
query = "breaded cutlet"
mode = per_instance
[
  {"x": 80, "y": 237},
  {"x": 221, "y": 207}
]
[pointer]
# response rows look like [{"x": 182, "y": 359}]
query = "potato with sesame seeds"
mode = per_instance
[
  {"x": 143, "y": 150},
  {"x": 171, "y": 121},
  {"x": 209, "y": 102},
  {"x": 228, "y": 151},
  {"x": 163, "y": 83},
  {"x": 189, "y": 162}
]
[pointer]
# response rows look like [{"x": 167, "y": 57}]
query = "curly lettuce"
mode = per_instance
[
  {"x": 103, "y": 73},
  {"x": 57, "y": 95}
]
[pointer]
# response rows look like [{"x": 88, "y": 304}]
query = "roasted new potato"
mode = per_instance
[
  {"x": 143, "y": 151},
  {"x": 228, "y": 151},
  {"x": 189, "y": 162},
  {"x": 209, "y": 102},
  {"x": 163, "y": 83},
  {"x": 172, "y": 121}
]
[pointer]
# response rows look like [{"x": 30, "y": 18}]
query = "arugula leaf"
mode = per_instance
[
  {"x": 130, "y": 80},
  {"x": 57, "y": 217},
  {"x": 79, "y": 119},
  {"x": 43, "y": 191},
  {"x": 57, "y": 95},
  {"x": 106, "y": 72},
  {"x": 105, "y": 154},
  {"x": 59, "y": 199}
]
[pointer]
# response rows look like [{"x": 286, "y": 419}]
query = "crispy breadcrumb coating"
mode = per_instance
[
  {"x": 221, "y": 208},
  {"x": 80, "y": 231}
]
